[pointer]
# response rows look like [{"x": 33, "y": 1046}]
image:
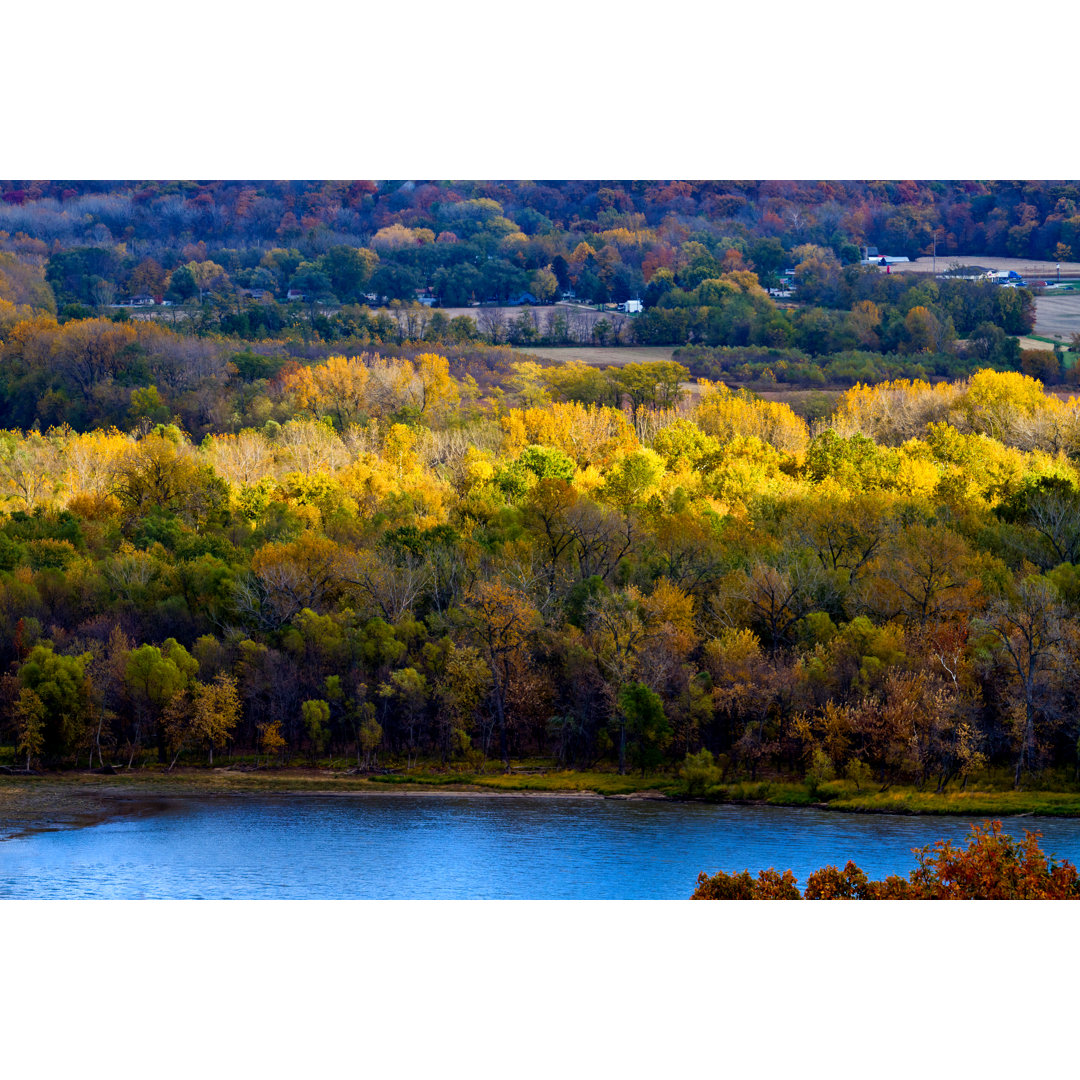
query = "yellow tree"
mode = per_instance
[
  {"x": 30, "y": 469},
  {"x": 725, "y": 415},
  {"x": 205, "y": 714},
  {"x": 501, "y": 622},
  {"x": 925, "y": 331},
  {"x": 270, "y": 739},
  {"x": 338, "y": 388},
  {"x": 925, "y": 574},
  {"x": 436, "y": 392},
  {"x": 286, "y": 578}
]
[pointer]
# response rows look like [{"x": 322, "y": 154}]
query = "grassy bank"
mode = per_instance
[
  {"x": 843, "y": 795},
  {"x": 73, "y": 799}
]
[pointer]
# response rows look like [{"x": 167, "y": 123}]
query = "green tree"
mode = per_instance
[
  {"x": 316, "y": 717},
  {"x": 60, "y": 684},
  {"x": 29, "y": 725},
  {"x": 657, "y": 384},
  {"x": 643, "y": 725},
  {"x": 154, "y": 676}
]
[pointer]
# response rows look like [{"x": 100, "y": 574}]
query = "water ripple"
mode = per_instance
[{"x": 447, "y": 847}]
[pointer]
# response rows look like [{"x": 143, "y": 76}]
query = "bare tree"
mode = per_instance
[
  {"x": 492, "y": 321},
  {"x": 1031, "y": 632}
]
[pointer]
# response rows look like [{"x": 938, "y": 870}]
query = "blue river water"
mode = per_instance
[{"x": 395, "y": 847}]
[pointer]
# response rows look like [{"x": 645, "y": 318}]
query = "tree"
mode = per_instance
[
  {"x": 162, "y": 472},
  {"x": 29, "y": 725},
  {"x": 437, "y": 392},
  {"x": 92, "y": 352},
  {"x": 775, "y": 598},
  {"x": 1031, "y": 633},
  {"x": 204, "y": 714},
  {"x": 642, "y": 720},
  {"x": 501, "y": 621},
  {"x": 408, "y": 688},
  {"x": 546, "y": 515},
  {"x": 316, "y": 717},
  {"x": 287, "y": 578},
  {"x": 30, "y": 469},
  {"x": 543, "y": 284},
  {"x": 1051, "y": 506},
  {"x": 270, "y": 740},
  {"x": 465, "y": 682},
  {"x": 148, "y": 277},
  {"x": 154, "y": 676},
  {"x": 657, "y": 384},
  {"x": 769, "y": 885},
  {"x": 182, "y": 284},
  {"x": 348, "y": 271},
  {"x": 60, "y": 685},
  {"x": 844, "y": 533},
  {"x": 926, "y": 573}
]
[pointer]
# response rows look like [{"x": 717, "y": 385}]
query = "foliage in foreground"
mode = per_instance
[{"x": 992, "y": 867}]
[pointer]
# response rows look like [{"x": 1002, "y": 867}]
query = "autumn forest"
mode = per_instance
[{"x": 365, "y": 533}]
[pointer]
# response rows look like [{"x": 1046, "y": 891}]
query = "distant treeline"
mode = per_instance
[{"x": 481, "y": 240}]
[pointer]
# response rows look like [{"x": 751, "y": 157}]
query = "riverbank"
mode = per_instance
[
  {"x": 844, "y": 796},
  {"x": 75, "y": 800}
]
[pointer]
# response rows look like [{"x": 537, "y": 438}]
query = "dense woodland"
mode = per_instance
[
  {"x": 403, "y": 569},
  {"x": 490, "y": 237},
  {"x": 378, "y": 544},
  {"x": 228, "y": 256}
]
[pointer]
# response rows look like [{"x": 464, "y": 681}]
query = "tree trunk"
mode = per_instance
[
  {"x": 622, "y": 748},
  {"x": 97, "y": 741},
  {"x": 131, "y": 756},
  {"x": 500, "y": 714},
  {"x": 1028, "y": 740}
]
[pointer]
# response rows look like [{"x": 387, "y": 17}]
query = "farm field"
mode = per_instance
[
  {"x": 1035, "y": 343},
  {"x": 1057, "y": 316},
  {"x": 1026, "y": 267},
  {"x": 541, "y": 309},
  {"x": 613, "y": 357}
]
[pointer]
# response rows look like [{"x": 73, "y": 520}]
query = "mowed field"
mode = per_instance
[
  {"x": 613, "y": 357},
  {"x": 1025, "y": 267},
  {"x": 1058, "y": 316},
  {"x": 1035, "y": 343}
]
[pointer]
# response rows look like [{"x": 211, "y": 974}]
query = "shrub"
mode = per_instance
[{"x": 992, "y": 867}]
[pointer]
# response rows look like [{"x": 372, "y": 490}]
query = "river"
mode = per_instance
[{"x": 404, "y": 846}]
